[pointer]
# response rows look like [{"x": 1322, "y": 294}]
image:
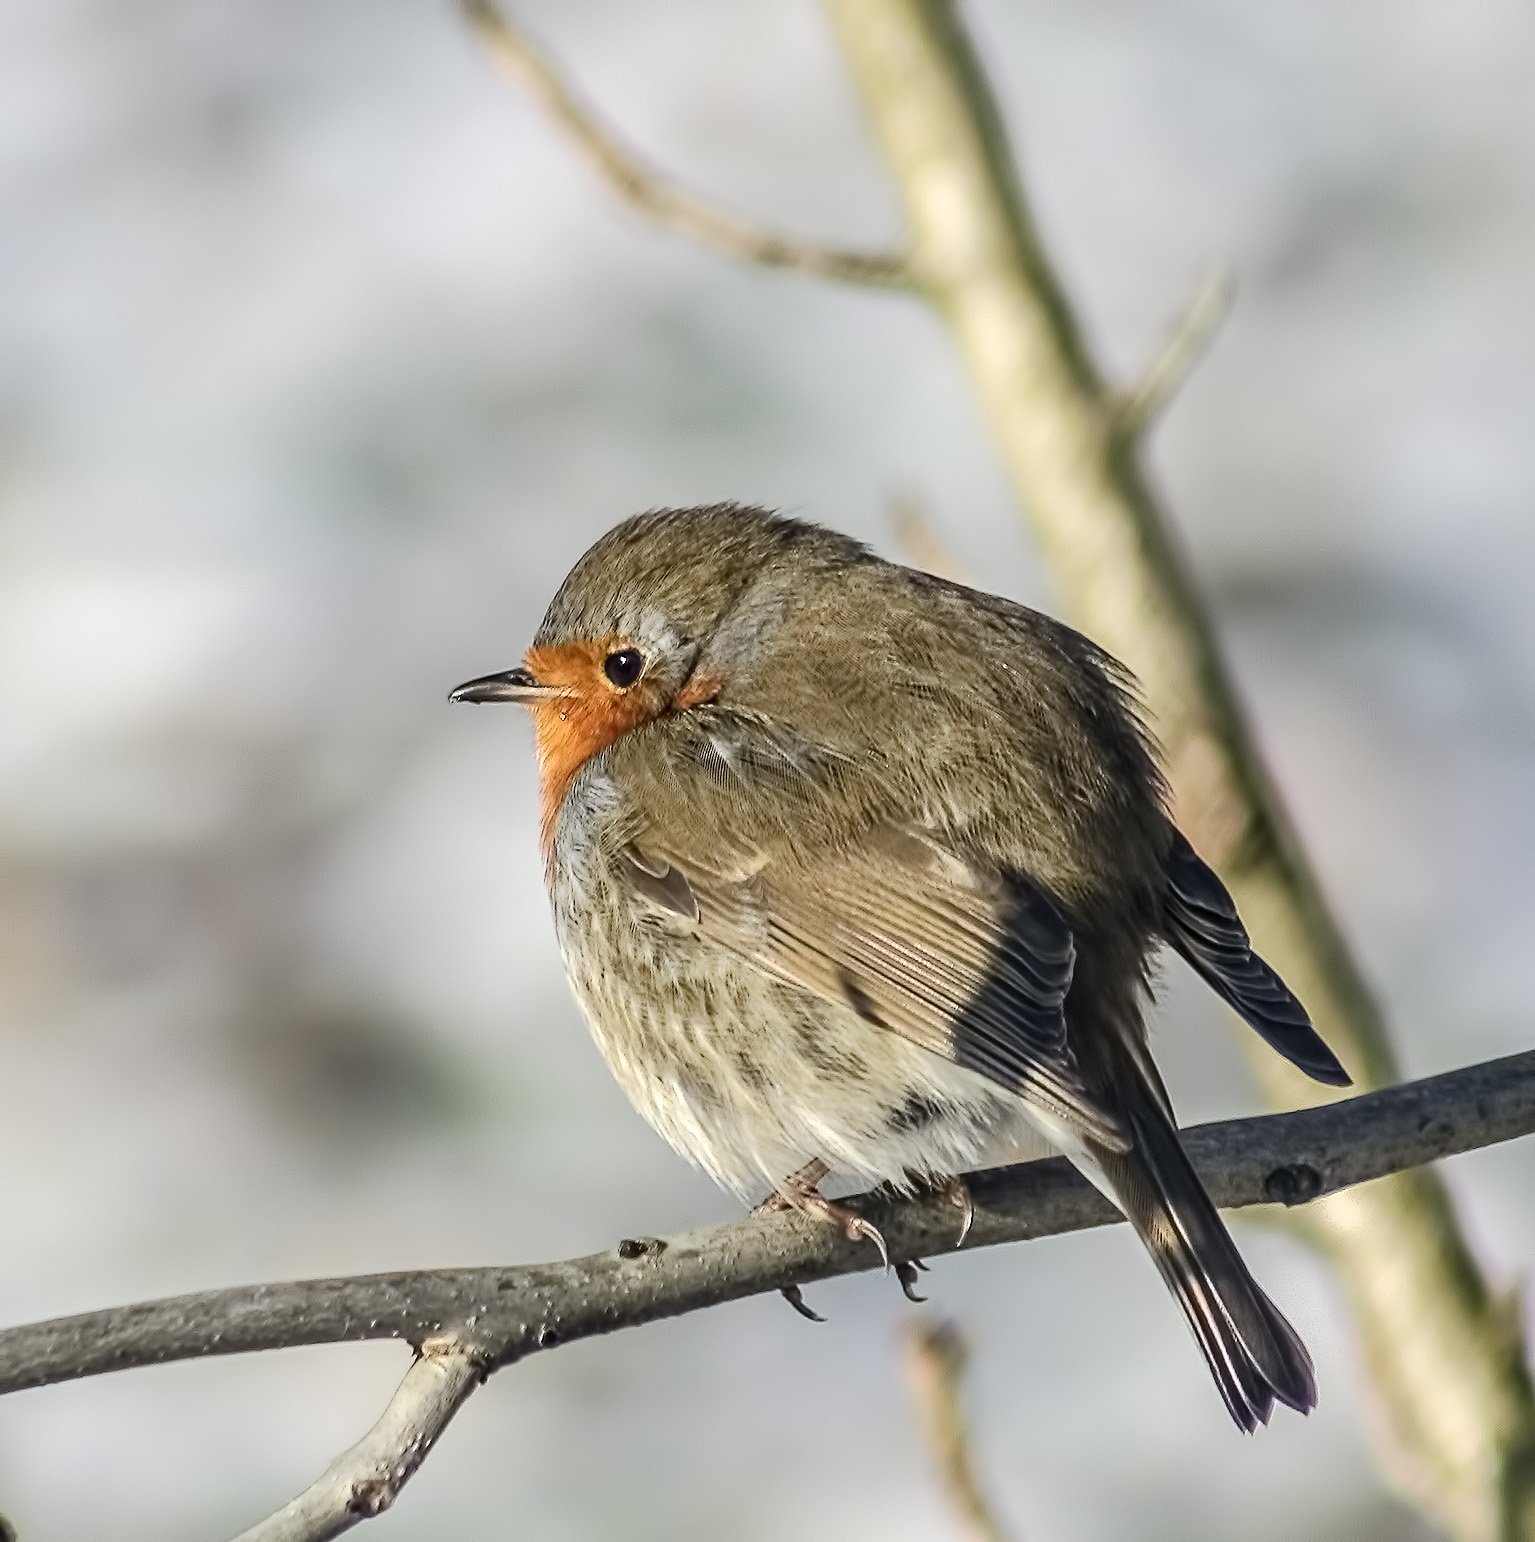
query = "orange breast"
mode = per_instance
[{"x": 571, "y": 729}]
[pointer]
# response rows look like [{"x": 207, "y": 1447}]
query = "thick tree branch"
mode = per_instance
[
  {"x": 646, "y": 190},
  {"x": 1448, "y": 1366},
  {"x": 366, "y": 1480},
  {"x": 497, "y": 1315}
]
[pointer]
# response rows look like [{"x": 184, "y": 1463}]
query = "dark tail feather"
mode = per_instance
[{"x": 1256, "y": 1357}]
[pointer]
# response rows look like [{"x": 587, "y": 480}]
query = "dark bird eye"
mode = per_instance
[{"x": 624, "y": 667}]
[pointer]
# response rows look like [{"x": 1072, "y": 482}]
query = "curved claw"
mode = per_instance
[
  {"x": 793, "y": 1295},
  {"x": 957, "y": 1192},
  {"x": 906, "y": 1273},
  {"x": 799, "y": 1192},
  {"x": 854, "y": 1228}
]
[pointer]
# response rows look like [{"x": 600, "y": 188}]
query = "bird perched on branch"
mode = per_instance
[{"x": 859, "y": 871}]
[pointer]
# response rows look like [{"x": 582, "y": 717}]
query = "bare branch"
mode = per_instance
[
  {"x": 502, "y": 1314},
  {"x": 469, "y": 1322},
  {"x": 366, "y": 1480},
  {"x": 935, "y": 1368},
  {"x": 652, "y": 194},
  {"x": 1184, "y": 346}
]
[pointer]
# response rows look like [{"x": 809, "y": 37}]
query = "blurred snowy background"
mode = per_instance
[{"x": 321, "y": 358}]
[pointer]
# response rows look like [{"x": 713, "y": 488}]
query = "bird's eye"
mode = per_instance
[{"x": 624, "y": 667}]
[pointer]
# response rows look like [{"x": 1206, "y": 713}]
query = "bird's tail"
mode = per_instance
[{"x": 1255, "y": 1356}]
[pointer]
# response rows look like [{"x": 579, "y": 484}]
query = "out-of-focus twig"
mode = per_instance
[
  {"x": 920, "y": 541},
  {"x": 367, "y": 1479},
  {"x": 652, "y": 194},
  {"x": 935, "y": 1368},
  {"x": 1182, "y": 348}
]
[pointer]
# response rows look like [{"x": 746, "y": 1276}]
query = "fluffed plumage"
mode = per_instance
[{"x": 867, "y": 868}]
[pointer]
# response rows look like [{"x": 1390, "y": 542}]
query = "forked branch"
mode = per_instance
[
  {"x": 1182, "y": 348},
  {"x": 366, "y": 1480}
]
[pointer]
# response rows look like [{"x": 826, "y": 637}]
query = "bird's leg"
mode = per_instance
[
  {"x": 810, "y": 1174},
  {"x": 957, "y": 1192},
  {"x": 801, "y": 1191},
  {"x": 802, "y": 1181}
]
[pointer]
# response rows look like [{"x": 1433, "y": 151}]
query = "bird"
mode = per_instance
[{"x": 856, "y": 871}]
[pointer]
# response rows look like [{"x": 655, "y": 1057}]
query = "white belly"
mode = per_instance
[{"x": 751, "y": 1078}]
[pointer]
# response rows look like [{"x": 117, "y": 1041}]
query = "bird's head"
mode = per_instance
[{"x": 650, "y": 622}]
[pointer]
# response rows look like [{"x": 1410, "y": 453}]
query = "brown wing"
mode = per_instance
[{"x": 970, "y": 963}]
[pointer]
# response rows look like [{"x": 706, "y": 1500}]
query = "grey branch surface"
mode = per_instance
[
  {"x": 648, "y": 191},
  {"x": 497, "y": 1315}
]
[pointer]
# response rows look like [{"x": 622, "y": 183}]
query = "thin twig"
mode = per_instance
[
  {"x": 935, "y": 1369},
  {"x": 921, "y": 543},
  {"x": 1183, "y": 347},
  {"x": 503, "y": 1314},
  {"x": 367, "y": 1479},
  {"x": 652, "y": 194}
]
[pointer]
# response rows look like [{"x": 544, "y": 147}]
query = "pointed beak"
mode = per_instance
[{"x": 510, "y": 685}]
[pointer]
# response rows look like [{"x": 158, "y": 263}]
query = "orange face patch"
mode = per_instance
[{"x": 571, "y": 729}]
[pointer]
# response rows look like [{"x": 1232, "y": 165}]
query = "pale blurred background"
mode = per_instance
[{"x": 321, "y": 358}]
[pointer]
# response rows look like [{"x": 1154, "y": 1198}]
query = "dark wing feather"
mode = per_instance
[
  {"x": 969, "y": 963},
  {"x": 1201, "y": 922}
]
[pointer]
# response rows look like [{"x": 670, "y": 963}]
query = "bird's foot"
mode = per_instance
[
  {"x": 796, "y": 1298},
  {"x": 958, "y": 1194},
  {"x": 906, "y": 1273},
  {"x": 801, "y": 1191},
  {"x": 847, "y": 1220}
]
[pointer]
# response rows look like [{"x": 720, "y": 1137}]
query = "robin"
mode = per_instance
[{"x": 859, "y": 871}]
